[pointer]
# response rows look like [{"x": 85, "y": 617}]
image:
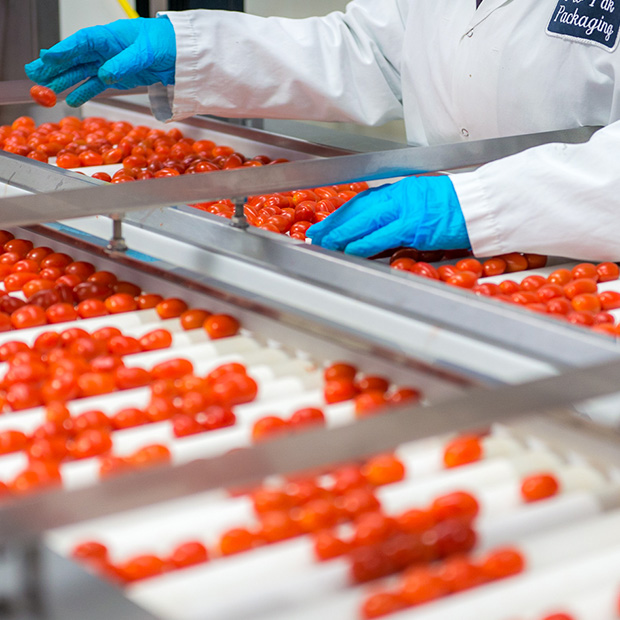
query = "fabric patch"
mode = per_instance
[{"x": 595, "y": 22}]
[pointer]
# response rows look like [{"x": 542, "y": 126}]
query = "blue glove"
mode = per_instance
[
  {"x": 124, "y": 54},
  {"x": 418, "y": 212}
]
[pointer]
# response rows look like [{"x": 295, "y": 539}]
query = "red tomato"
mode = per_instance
[
  {"x": 470, "y": 264},
  {"x": 447, "y": 271},
  {"x": 403, "y": 264},
  {"x": 156, "y": 339},
  {"x": 586, "y": 302},
  {"x": 171, "y": 308},
  {"x": 95, "y": 383},
  {"x": 127, "y": 288},
  {"x": 120, "y": 302},
  {"x": 148, "y": 301},
  {"x": 514, "y": 262},
  {"x": 60, "y": 313},
  {"x": 150, "y": 456},
  {"x": 559, "y": 305},
  {"x": 141, "y": 567},
  {"x": 610, "y": 300},
  {"x": 307, "y": 417},
  {"x": 494, "y": 266},
  {"x": 128, "y": 378},
  {"x": 584, "y": 270},
  {"x": 21, "y": 247},
  {"x": 463, "y": 279},
  {"x": 90, "y": 308},
  {"x": 43, "y": 95},
  {"x": 189, "y": 554},
  {"x": 560, "y": 276},
  {"x": 221, "y": 326},
  {"x": 421, "y": 586},
  {"x": 339, "y": 389},
  {"x": 340, "y": 370},
  {"x": 28, "y": 316},
  {"x": 268, "y": 427},
  {"x": 15, "y": 281},
  {"x": 509, "y": 287},
  {"x": 535, "y": 261},
  {"x": 533, "y": 283},
  {"x": 539, "y": 486},
  {"x": 124, "y": 345},
  {"x": 56, "y": 259},
  {"x": 369, "y": 403},
  {"x": 462, "y": 450},
  {"x": 456, "y": 505},
  {"x": 502, "y": 563},
  {"x": 172, "y": 369},
  {"x": 234, "y": 389},
  {"x": 193, "y": 319},
  {"x": 488, "y": 289},
  {"x": 128, "y": 418},
  {"x": 237, "y": 540},
  {"x": 578, "y": 287},
  {"x": 607, "y": 272},
  {"x": 383, "y": 469},
  {"x": 425, "y": 270}
]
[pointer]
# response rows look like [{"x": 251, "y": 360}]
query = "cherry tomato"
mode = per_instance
[
  {"x": 340, "y": 370},
  {"x": 578, "y": 287},
  {"x": 463, "y": 279},
  {"x": 127, "y": 378},
  {"x": 129, "y": 418},
  {"x": 120, "y": 302},
  {"x": 421, "y": 586},
  {"x": 150, "y": 456},
  {"x": 141, "y": 567},
  {"x": 585, "y": 270},
  {"x": 189, "y": 554},
  {"x": 462, "y": 450},
  {"x": 509, "y": 287},
  {"x": 539, "y": 486},
  {"x": 533, "y": 283},
  {"x": 127, "y": 288},
  {"x": 237, "y": 540},
  {"x": 156, "y": 339},
  {"x": 458, "y": 573},
  {"x": 470, "y": 264},
  {"x": 90, "y": 308},
  {"x": 502, "y": 563},
  {"x": 28, "y": 316},
  {"x": 586, "y": 302},
  {"x": 307, "y": 417},
  {"x": 425, "y": 270},
  {"x": 60, "y": 313},
  {"x": 221, "y": 326},
  {"x": 514, "y": 262},
  {"x": 95, "y": 383},
  {"x": 560, "y": 276},
  {"x": 43, "y": 95},
  {"x": 383, "y": 469},
  {"x": 172, "y": 369},
  {"x": 21, "y": 247},
  {"x": 268, "y": 427},
  {"x": 607, "y": 272},
  {"x": 171, "y": 308},
  {"x": 328, "y": 546},
  {"x": 494, "y": 267},
  {"x": 610, "y": 300},
  {"x": 456, "y": 505},
  {"x": 339, "y": 389},
  {"x": 193, "y": 319},
  {"x": 150, "y": 300}
]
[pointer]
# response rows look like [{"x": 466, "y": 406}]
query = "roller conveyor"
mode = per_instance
[{"x": 302, "y": 308}]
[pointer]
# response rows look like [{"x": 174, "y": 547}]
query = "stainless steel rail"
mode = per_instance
[
  {"x": 475, "y": 411},
  {"x": 154, "y": 193}
]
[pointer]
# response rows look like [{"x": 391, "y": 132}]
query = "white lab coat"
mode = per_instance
[{"x": 453, "y": 73}]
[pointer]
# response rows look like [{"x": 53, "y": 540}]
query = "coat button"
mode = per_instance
[{"x": 464, "y": 133}]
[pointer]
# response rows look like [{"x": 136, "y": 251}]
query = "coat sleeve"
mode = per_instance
[
  {"x": 556, "y": 199},
  {"x": 341, "y": 67}
]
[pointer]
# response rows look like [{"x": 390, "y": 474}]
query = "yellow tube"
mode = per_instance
[{"x": 128, "y": 9}]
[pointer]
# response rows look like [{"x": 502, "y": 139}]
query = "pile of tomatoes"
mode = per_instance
[
  {"x": 571, "y": 295},
  {"x": 144, "y": 152}
]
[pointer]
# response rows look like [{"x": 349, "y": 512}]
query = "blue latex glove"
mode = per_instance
[
  {"x": 418, "y": 212},
  {"x": 124, "y": 54}
]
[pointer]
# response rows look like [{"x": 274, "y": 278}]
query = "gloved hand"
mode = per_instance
[
  {"x": 419, "y": 212},
  {"x": 124, "y": 54}
]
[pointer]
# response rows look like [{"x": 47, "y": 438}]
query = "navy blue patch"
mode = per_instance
[{"x": 596, "y": 22}]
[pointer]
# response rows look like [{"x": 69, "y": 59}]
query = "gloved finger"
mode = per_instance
[
  {"x": 86, "y": 45},
  {"x": 72, "y": 77},
  {"x": 382, "y": 239},
  {"x": 85, "y": 91},
  {"x": 318, "y": 231},
  {"x": 373, "y": 212},
  {"x": 127, "y": 63},
  {"x": 39, "y": 72}
]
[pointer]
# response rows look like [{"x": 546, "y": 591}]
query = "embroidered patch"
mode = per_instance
[{"x": 595, "y": 22}]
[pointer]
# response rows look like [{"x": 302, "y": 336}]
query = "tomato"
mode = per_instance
[
  {"x": 57, "y": 260},
  {"x": 148, "y": 301},
  {"x": 339, "y": 389},
  {"x": 371, "y": 528},
  {"x": 53, "y": 448},
  {"x": 189, "y": 554},
  {"x": 535, "y": 261},
  {"x": 328, "y": 546},
  {"x": 549, "y": 291},
  {"x": 369, "y": 403},
  {"x": 90, "y": 308},
  {"x": 124, "y": 345},
  {"x": 171, "y": 308},
  {"x": 383, "y": 469},
  {"x": 539, "y": 486},
  {"x": 514, "y": 262},
  {"x": 150, "y": 456},
  {"x": 39, "y": 253},
  {"x": 172, "y": 369},
  {"x": 70, "y": 334},
  {"x": 340, "y": 370},
  {"x": 221, "y": 326},
  {"x": 91, "y": 419},
  {"x": 405, "y": 395},
  {"x": 127, "y": 288},
  {"x": 456, "y": 505},
  {"x": 67, "y": 160},
  {"x": 584, "y": 270},
  {"x": 463, "y": 279},
  {"x": 268, "y": 427},
  {"x": 416, "y": 521},
  {"x": 39, "y": 475},
  {"x": 458, "y": 573},
  {"x": 610, "y": 300},
  {"x": 237, "y": 540},
  {"x": 5, "y": 322},
  {"x": 421, "y": 586},
  {"x": 560, "y": 276},
  {"x": 447, "y": 271},
  {"x": 128, "y": 418},
  {"x": 120, "y": 302},
  {"x": 95, "y": 383},
  {"x": 141, "y": 567},
  {"x": 12, "y": 441},
  {"x": 488, "y": 289},
  {"x": 607, "y": 272},
  {"x": 156, "y": 339},
  {"x": 501, "y": 563},
  {"x": 462, "y": 450},
  {"x": 102, "y": 176},
  {"x": 578, "y": 287},
  {"x": 90, "y": 158},
  {"x": 92, "y": 290},
  {"x": 90, "y": 550},
  {"x": 470, "y": 264},
  {"x": 509, "y": 287},
  {"x": 193, "y": 319},
  {"x": 28, "y": 316},
  {"x": 559, "y": 305},
  {"x": 586, "y": 302},
  {"x": 61, "y": 313},
  {"x": 15, "y": 281},
  {"x": 221, "y": 371},
  {"x": 21, "y": 247},
  {"x": 37, "y": 285},
  {"x": 129, "y": 378},
  {"x": 494, "y": 267},
  {"x": 50, "y": 273},
  {"x": 307, "y": 417},
  {"x": 425, "y": 270},
  {"x": 533, "y": 283},
  {"x": 25, "y": 264}
]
